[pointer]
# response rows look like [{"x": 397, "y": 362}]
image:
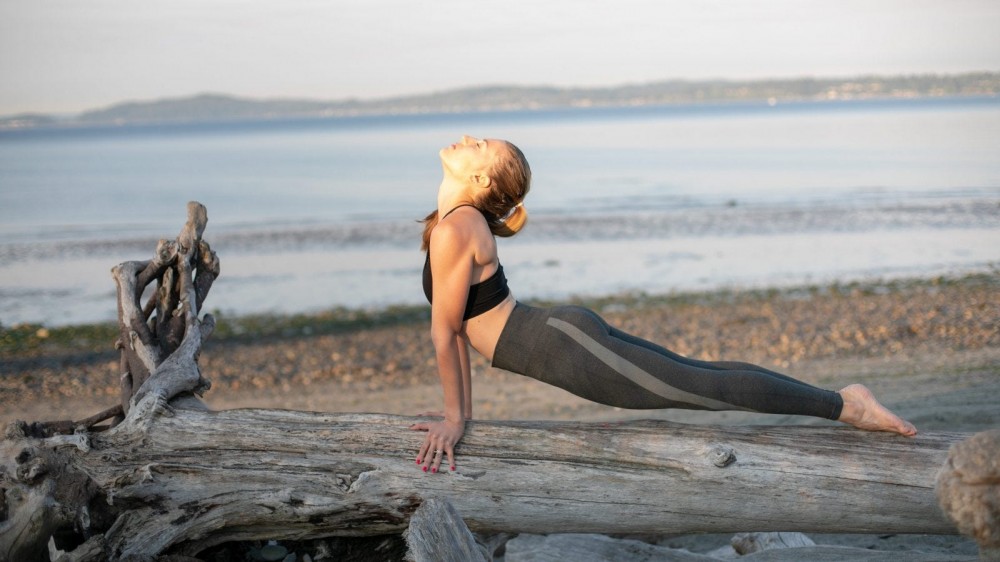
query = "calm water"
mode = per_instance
[{"x": 312, "y": 214}]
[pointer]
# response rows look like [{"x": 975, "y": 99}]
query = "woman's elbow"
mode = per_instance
[{"x": 443, "y": 337}]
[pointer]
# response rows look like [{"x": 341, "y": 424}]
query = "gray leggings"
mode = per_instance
[{"x": 573, "y": 348}]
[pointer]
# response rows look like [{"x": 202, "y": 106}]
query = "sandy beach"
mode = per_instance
[
  {"x": 922, "y": 345},
  {"x": 929, "y": 348}
]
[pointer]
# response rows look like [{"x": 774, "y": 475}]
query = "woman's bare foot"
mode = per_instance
[{"x": 863, "y": 411}]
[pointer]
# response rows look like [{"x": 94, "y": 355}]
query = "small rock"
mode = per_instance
[
  {"x": 748, "y": 543},
  {"x": 273, "y": 552}
]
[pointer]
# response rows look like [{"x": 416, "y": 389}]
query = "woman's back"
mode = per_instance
[{"x": 463, "y": 235}]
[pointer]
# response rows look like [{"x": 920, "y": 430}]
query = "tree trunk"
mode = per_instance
[{"x": 182, "y": 482}]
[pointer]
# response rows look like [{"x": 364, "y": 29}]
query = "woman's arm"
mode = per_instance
[
  {"x": 452, "y": 262},
  {"x": 463, "y": 352}
]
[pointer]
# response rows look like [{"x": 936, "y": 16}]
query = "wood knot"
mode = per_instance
[
  {"x": 25, "y": 455},
  {"x": 722, "y": 456},
  {"x": 344, "y": 481},
  {"x": 32, "y": 470}
]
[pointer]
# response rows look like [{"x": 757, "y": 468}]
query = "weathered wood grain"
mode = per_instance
[
  {"x": 183, "y": 482},
  {"x": 437, "y": 534}
]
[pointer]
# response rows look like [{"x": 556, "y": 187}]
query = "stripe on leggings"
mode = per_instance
[{"x": 634, "y": 373}]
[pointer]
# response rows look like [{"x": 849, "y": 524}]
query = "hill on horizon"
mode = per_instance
[{"x": 223, "y": 107}]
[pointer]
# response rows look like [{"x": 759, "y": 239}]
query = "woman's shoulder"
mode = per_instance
[
  {"x": 463, "y": 230},
  {"x": 462, "y": 224}
]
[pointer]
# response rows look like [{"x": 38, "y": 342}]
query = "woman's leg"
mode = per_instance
[
  {"x": 589, "y": 358},
  {"x": 574, "y": 349},
  {"x": 860, "y": 408},
  {"x": 717, "y": 365}
]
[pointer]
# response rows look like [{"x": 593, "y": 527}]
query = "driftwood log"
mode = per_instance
[
  {"x": 164, "y": 336},
  {"x": 169, "y": 478},
  {"x": 184, "y": 481}
]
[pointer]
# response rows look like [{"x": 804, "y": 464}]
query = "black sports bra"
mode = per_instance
[{"x": 483, "y": 296}]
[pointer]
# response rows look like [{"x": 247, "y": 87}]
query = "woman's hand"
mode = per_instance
[{"x": 441, "y": 439}]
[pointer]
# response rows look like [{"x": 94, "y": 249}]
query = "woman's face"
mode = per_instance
[{"x": 471, "y": 156}]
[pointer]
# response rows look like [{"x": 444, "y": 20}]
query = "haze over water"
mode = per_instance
[{"x": 309, "y": 215}]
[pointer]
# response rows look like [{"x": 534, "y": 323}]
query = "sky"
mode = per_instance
[{"x": 66, "y": 56}]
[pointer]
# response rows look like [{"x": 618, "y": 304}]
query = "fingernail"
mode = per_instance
[
  {"x": 418, "y": 460},
  {"x": 434, "y": 469},
  {"x": 425, "y": 469},
  {"x": 453, "y": 467}
]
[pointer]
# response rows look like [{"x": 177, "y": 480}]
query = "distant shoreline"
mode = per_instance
[
  {"x": 221, "y": 108},
  {"x": 557, "y": 113}
]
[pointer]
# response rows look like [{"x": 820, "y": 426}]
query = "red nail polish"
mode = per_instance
[
  {"x": 434, "y": 469},
  {"x": 453, "y": 468},
  {"x": 418, "y": 460},
  {"x": 425, "y": 469}
]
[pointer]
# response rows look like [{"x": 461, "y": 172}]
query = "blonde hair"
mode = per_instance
[{"x": 503, "y": 204}]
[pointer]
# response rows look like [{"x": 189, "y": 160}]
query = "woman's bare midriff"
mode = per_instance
[{"x": 483, "y": 331}]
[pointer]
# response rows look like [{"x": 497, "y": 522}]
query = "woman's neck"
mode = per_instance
[{"x": 451, "y": 195}]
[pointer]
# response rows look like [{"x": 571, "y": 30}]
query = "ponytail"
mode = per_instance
[
  {"x": 504, "y": 205},
  {"x": 512, "y": 224},
  {"x": 430, "y": 221}
]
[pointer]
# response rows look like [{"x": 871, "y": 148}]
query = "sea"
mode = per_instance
[{"x": 312, "y": 214}]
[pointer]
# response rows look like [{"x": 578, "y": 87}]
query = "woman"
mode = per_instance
[{"x": 480, "y": 197}]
